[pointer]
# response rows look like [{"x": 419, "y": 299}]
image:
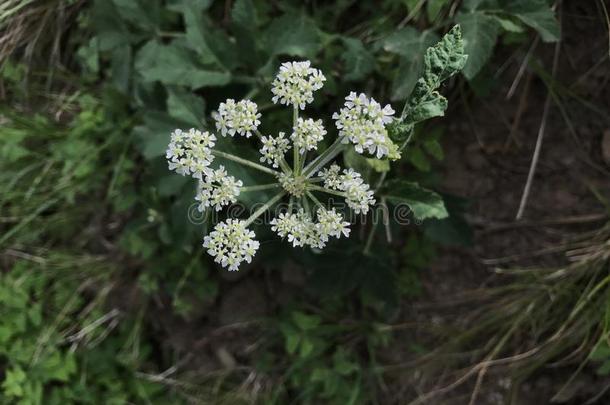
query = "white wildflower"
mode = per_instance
[
  {"x": 274, "y": 149},
  {"x": 231, "y": 243},
  {"x": 240, "y": 118},
  {"x": 330, "y": 223},
  {"x": 358, "y": 194},
  {"x": 331, "y": 176},
  {"x": 295, "y": 84},
  {"x": 307, "y": 133},
  {"x": 299, "y": 228},
  {"x": 190, "y": 153},
  {"x": 362, "y": 122},
  {"x": 218, "y": 189}
]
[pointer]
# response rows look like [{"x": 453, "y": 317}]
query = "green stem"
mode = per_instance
[
  {"x": 244, "y": 162},
  {"x": 305, "y": 203},
  {"x": 369, "y": 239},
  {"x": 314, "y": 199},
  {"x": 326, "y": 190},
  {"x": 264, "y": 208},
  {"x": 295, "y": 151},
  {"x": 259, "y": 188},
  {"x": 326, "y": 156}
]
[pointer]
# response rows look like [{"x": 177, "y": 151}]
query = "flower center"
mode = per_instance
[{"x": 295, "y": 186}]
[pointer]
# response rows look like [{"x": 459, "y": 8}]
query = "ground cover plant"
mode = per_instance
[{"x": 247, "y": 201}]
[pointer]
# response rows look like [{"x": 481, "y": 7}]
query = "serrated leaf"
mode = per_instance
[
  {"x": 424, "y": 203},
  {"x": 441, "y": 61},
  {"x": 480, "y": 33},
  {"x": 359, "y": 62}
]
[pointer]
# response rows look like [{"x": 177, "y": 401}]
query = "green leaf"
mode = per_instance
[
  {"x": 174, "y": 64},
  {"x": 453, "y": 230},
  {"x": 306, "y": 322},
  {"x": 359, "y": 62},
  {"x": 153, "y": 135},
  {"x": 441, "y": 61},
  {"x": 508, "y": 24},
  {"x": 538, "y": 15},
  {"x": 244, "y": 13},
  {"x": 418, "y": 159},
  {"x": 110, "y": 28},
  {"x": 13, "y": 382},
  {"x": 480, "y": 32},
  {"x": 411, "y": 45},
  {"x": 197, "y": 32},
  {"x": 185, "y": 106},
  {"x": 292, "y": 34},
  {"x": 423, "y": 202},
  {"x": 434, "y": 7}
]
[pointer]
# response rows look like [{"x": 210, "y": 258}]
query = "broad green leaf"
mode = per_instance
[
  {"x": 424, "y": 203},
  {"x": 244, "y": 13},
  {"x": 177, "y": 65},
  {"x": 197, "y": 32},
  {"x": 110, "y": 28},
  {"x": 359, "y": 62},
  {"x": 508, "y": 24},
  {"x": 538, "y": 15},
  {"x": 480, "y": 32},
  {"x": 153, "y": 135},
  {"x": 411, "y": 45},
  {"x": 245, "y": 31},
  {"x": 292, "y": 34},
  {"x": 185, "y": 106},
  {"x": 434, "y": 7},
  {"x": 144, "y": 14}
]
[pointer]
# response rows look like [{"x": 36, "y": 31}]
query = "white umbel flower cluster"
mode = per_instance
[
  {"x": 357, "y": 193},
  {"x": 218, "y": 189},
  {"x": 307, "y": 133},
  {"x": 295, "y": 84},
  {"x": 231, "y": 243},
  {"x": 190, "y": 153},
  {"x": 362, "y": 122},
  {"x": 307, "y": 222},
  {"x": 301, "y": 230},
  {"x": 274, "y": 149},
  {"x": 240, "y": 118}
]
